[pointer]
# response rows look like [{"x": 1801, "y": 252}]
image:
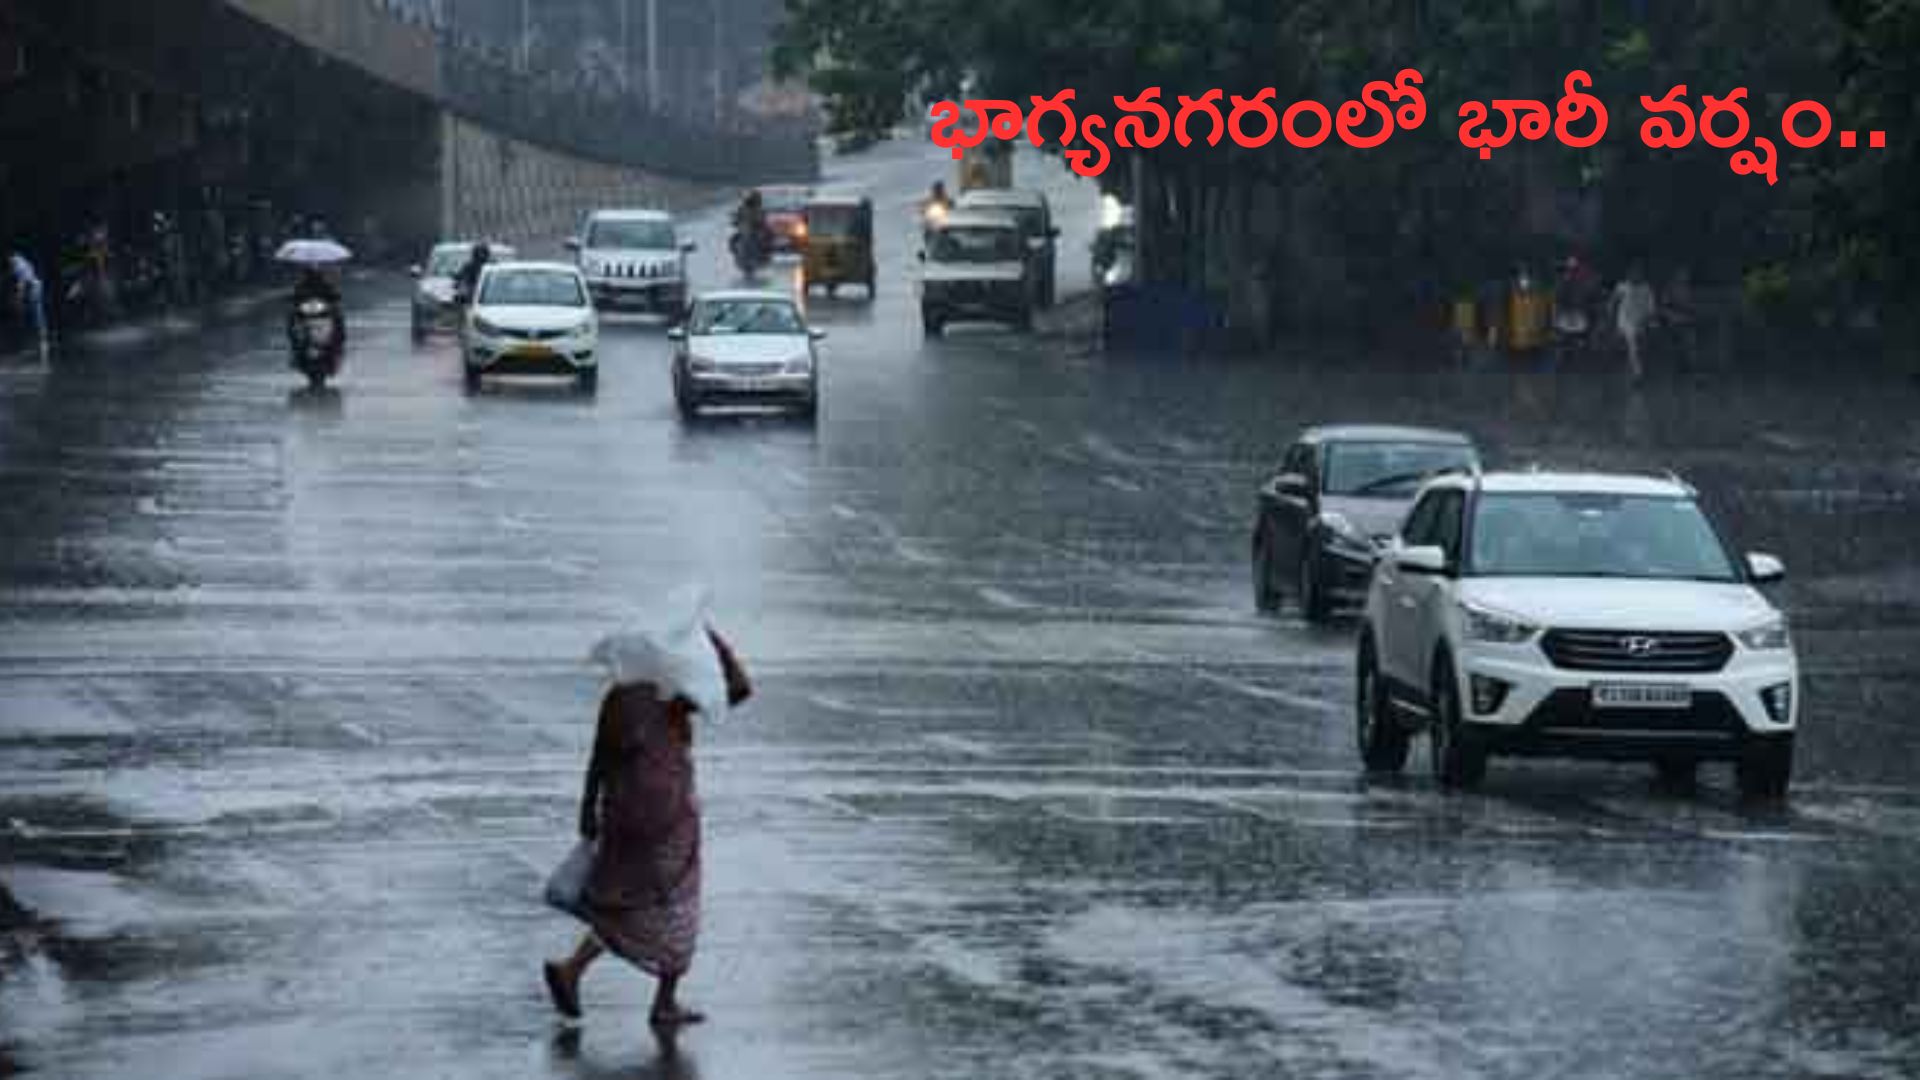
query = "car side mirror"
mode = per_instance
[
  {"x": 817, "y": 334},
  {"x": 677, "y": 333},
  {"x": 416, "y": 270},
  {"x": 1054, "y": 233},
  {"x": 689, "y": 247},
  {"x": 1764, "y": 568},
  {"x": 923, "y": 256},
  {"x": 1425, "y": 559},
  {"x": 573, "y": 244}
]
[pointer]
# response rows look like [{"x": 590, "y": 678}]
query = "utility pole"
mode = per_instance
[
  {"x": 653, "y": 55},
  {"x": 626, "y": 45},
  {"x": 719, "y": 76},
  {"x": 526, "y": 36}
]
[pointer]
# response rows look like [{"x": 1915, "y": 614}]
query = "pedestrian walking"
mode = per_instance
[
  {"x": 30, "y": 296},
  {"x": 635, "y": 877},
  {"x": 1633, "y": 311}
]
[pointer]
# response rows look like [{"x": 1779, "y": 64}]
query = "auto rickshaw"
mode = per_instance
[{"x": 839, "y": 248}]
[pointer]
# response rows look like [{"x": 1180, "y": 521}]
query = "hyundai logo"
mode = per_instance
[{"x": 1640, "y": 646}]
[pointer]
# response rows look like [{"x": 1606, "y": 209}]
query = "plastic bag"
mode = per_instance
[
  {"x": 669, "y": 647},
  {"x": 567, "y": 888}
]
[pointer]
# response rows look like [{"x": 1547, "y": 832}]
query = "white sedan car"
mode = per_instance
[
  {"x": 751, "y": 347},
  {"x": 531, "y": 318}
]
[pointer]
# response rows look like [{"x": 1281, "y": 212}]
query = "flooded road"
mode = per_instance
[{"x": 294, "y": 704}]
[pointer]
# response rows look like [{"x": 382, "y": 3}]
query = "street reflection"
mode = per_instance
[
  {"x": 568, "y": 1057},
  {"x": 325, "y": 402}
]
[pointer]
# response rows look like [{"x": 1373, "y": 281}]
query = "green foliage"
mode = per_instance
[{"x": 1423, "y": 205}]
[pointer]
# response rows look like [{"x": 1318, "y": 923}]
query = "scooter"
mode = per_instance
[{"x": 317, "y": 340}]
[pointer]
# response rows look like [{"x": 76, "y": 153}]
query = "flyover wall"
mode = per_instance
[{"x": 394, "y": 120}]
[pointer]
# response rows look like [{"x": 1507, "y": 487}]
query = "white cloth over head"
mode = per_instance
[{"x": 667, "y": 645}]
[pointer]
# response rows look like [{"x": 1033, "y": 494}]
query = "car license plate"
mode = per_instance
[
  {"x": 1631, "y": 696},
  {"x": 532, "y": 352},
  {"x": 757, "y": 386}
]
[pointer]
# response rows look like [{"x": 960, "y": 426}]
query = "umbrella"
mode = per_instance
[{"x": 312, "y": 252}]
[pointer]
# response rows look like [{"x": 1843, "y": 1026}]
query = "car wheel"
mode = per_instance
[
  {"x": 1677, "y": 774},
  {"x": 1266, "y": 598},
  {"x": 1459, "y": 758},
  {"x": 810, "y": 408},
  {"x": 688, "y": 405},
  {"x": 1313, "y": 596},
  {"x": 473, "y": 380},
  {"x": 1025, "y": 321},
  {"x": 419, "y": 329},
  {"x": 588, "y": 380},
  {"x": 1765, "y": 768},
  {"x": 932, "y": 324},
  {"x": 1383, "y": 741}
]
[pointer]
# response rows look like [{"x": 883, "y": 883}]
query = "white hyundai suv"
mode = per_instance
[{"x": 1574, "y": 615}]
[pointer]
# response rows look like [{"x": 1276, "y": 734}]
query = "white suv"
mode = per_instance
[
  {"x": 1578, "y": 616},
  {"x": 633, "y": 259}
]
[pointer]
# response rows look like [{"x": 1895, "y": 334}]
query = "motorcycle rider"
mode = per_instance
[
  {"x": 938, "y": 203},
  {"x": 468, "y": 278},
  {"x": 750, "y": 228},
  {"x": 315, "y": 285}
]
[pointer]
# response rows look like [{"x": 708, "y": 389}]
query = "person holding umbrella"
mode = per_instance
[{"x": 316, "y": 317}]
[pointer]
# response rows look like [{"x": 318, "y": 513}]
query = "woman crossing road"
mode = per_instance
[{"x": 635, "y": 879}]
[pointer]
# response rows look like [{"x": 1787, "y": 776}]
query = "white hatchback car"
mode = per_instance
[
  {"x": 530, "y": 318},
  {"x": 1574, "y": 615},
  {"x": 745, "y": 346}
]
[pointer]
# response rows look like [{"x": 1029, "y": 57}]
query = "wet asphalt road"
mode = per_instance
[{"x": 293, "y": 707}]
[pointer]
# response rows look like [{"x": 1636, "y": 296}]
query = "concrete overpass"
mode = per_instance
[{"x": 394, "y": 119}]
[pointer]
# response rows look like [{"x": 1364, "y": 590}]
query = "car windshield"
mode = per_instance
[
  {"x": 447, "y": 261},
  {"x": 634, "y": 235},
  {"x": 1595, "y": 535},
  {"x": 746, "y": 317},
  {"x": 975, "y": 244},
  {"x": 1030, "y": 219},
  {"x": 1389, "y": 470},
  {"x": 783, "y": 200},
  {"x": 532, "y": 288},
  {"x": 833, "y": 220}
]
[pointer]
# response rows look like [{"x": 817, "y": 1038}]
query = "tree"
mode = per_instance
[{"x": 1337, "y": 232}]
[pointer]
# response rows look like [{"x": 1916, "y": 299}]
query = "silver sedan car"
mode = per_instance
[
  {"x": 434, "y": 305},
  {"x": 745, "y": 347}
]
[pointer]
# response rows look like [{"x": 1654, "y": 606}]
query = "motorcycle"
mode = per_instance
[
  {"x": 317, "y": 341},
  {"x": 750, "y": 250}
]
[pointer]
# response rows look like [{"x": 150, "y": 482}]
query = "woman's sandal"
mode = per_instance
[
  {"x": 674, "y": 1018},
  {"x": 565, "y": 995}
]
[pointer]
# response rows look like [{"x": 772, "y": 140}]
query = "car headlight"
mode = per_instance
[
  {"x": 1498, "y": 627},
  {"x": 800, "y": 365},
  {"x": 482, "y": 326},
  {"x": 1345, "y": 534},
  {"x": 1766, "y": 637}
]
